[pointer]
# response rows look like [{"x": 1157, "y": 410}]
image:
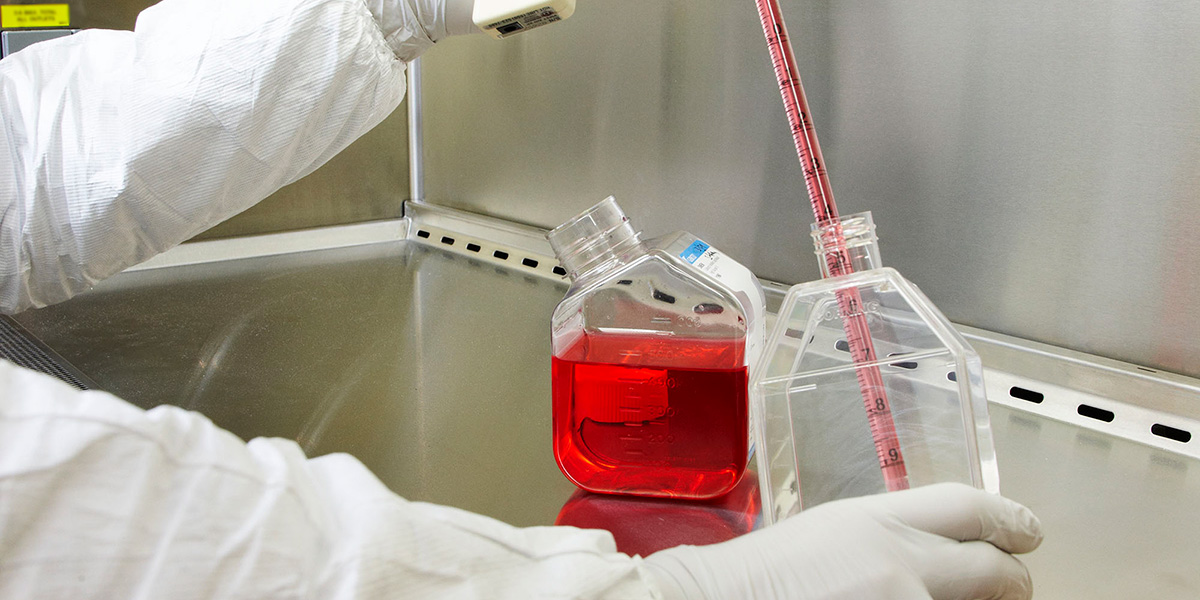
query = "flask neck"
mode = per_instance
[
  {"x": 847, "y": 245},
  {"x": 595, "y": 240}
]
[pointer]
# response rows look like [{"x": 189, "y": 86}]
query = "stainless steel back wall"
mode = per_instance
[
  {"x": 1033, "y": 166},
  {"x": 367, "y": 181}
]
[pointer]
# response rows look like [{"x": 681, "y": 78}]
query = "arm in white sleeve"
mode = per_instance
[
  {"x": 117, "y": 145},
  {"x": 99, "y": 499}
]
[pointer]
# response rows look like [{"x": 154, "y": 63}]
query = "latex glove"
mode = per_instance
[
  {"x": 411, "y": 26},
  {"x": 945, "y": 541},
  {"x": 458, "y": 17}
]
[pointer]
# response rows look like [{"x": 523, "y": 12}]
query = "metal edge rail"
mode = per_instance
[
  {"x": 290, "y": 242},
  {"x": 1132, "y": 402},
  {"x": 1144, "y": 405}
]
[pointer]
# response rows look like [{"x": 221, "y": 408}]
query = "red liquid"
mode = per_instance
[{"x": 651, "y": 415}]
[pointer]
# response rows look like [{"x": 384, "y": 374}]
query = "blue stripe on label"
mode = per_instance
[{"x": 695, "y": 251}]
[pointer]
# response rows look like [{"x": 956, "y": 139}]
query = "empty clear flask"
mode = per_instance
[{"x": 819, "y": 437}]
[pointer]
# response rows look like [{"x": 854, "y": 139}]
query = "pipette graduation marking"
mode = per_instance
[{"x": 820, "y": 194}]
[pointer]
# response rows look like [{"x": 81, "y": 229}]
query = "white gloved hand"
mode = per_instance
[
  {"x": 444, "y": 18},
  {"x": 459, "y": 20},
  {"x": 945, "y": 542},
  {"x": 411, "y": 26}
]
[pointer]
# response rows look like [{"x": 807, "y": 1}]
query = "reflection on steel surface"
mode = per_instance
[{"x": 646, "y": 525}]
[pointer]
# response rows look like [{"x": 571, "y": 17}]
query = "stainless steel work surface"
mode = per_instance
[
  {"x": 432, "y": 367},
  {"x": 1120, "y": 518}
]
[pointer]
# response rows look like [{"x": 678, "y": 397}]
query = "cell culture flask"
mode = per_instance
[
  {"x": 820, "y": 435},
  {"x": 651, "y": 350}
]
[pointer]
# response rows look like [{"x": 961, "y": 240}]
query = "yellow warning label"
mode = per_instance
[{"x": 35, "y": 15}]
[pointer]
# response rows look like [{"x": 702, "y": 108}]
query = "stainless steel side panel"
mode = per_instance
[{"x": 1032, "y": 165}]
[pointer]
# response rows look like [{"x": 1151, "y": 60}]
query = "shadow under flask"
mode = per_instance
[{"x": 651, "y": 350}]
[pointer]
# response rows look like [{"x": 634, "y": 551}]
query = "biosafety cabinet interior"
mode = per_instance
[
  {"x": 1031, "y": 167},
  {"x": 421, "y": 347}
]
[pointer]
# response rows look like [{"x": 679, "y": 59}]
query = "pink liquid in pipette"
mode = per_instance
[{"x": 820, "y": 194}]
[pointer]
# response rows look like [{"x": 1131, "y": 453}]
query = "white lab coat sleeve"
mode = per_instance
[
  {"x": 117, "y": 145},
  {"x": 99, "y": 499}
]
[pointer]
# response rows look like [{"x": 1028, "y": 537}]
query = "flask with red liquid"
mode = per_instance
[{"x": 651, "y": 349}]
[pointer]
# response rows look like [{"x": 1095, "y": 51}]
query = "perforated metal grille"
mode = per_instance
[{"x": 18, "y": 347}]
